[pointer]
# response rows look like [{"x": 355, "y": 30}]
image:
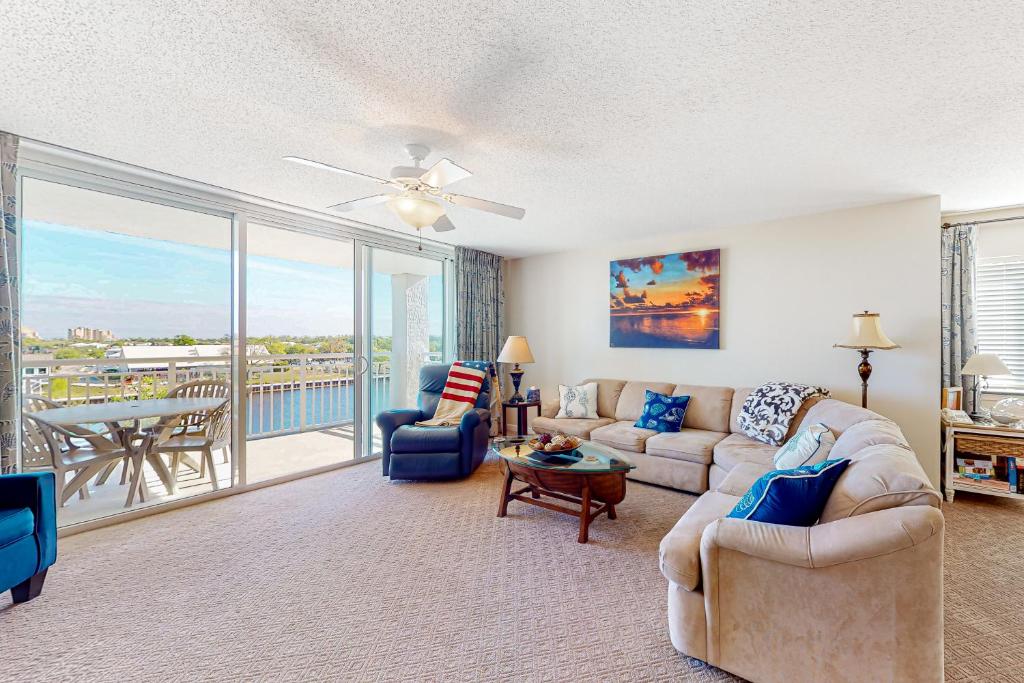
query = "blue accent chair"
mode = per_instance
[
  {"x": 433, "y": 453},
  {"x": 28, "y": 533}
]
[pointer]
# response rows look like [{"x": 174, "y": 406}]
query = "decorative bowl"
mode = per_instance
[
  {"x": 557, "y": 444},
  {"x": 1008, "y": 411}
]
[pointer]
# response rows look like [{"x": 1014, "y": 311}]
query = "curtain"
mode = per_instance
[
  {"x": 959, "y": 340},
  {"x": 10, "y": 327},
  {"x": 480, "y": 311}
]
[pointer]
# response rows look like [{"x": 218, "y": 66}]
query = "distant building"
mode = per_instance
[
  {"x": 28, "y": 333},
  {"x": 147, "y": 358},
  {"x": 89, "y": 334}
]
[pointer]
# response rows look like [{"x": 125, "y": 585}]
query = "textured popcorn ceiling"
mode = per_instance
[{"x": 603, "y": 120}]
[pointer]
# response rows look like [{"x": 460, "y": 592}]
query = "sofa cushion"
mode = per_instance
[
  {"x": 412, "y": 439},
  {"x": 741, "y": 478},
  {"x": 839, "y": 415},
  {"x": 681, "y": 475},
  {"x": 679, "y": 552},
  {"x": 693, "y": 445},
  {"x": 868, "y": 433},
  {"x": 879, "y": 477},
  {"x": 736, "y": 448},
  {"x": 578, "y": 401},
  {"x": 631, "y": 400},
  {"x": 622, "y": 435},
  {"x": 608, "y": 392},
  {"x": 792, "y": 497},
  {"x": 662, "y": 413},
  {"x": 709, "y": 407},
  {"x": 16, "y": 523},
  {"x": 570, "y": 426}
]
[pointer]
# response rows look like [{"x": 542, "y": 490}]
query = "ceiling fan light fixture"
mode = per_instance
[{"x": 415, "y": 209}]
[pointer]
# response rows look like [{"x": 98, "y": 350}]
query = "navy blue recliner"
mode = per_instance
[{"x": 432, "y": 453}]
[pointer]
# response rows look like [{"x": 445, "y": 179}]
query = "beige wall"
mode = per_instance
[{"x": 789, "y": 288}]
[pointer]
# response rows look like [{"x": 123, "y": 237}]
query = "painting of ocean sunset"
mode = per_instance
[{"x": 669, "y": 301}]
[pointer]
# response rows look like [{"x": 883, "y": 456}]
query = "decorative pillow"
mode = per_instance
[
  {"x": 793, "y": 497},
  {"x": 662, "y": 413},
  {"x": 809, "y": 446},
  {"x": 769, "y": 409},
  {"x": 578, "y": 401}
]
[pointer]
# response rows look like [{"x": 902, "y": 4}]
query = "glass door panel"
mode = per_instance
[
  {"x": 404, "y": 331},
  {"x": 123, "y": 301},
  {"x": 300, "y": 376}
]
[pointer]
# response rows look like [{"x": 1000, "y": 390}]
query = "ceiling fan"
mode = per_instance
[{"x": 415, "y": 190}]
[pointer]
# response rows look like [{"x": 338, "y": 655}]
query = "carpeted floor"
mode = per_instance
[{"x": 346, "y": 576}]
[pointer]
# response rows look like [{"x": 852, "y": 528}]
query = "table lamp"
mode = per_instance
[
  {"x": 983, "y": 365},
  {"x": 867, "y": 337},
  {"x": 516, "y": 351}
]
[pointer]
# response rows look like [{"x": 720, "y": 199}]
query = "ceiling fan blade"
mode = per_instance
[
  {"x": 443, "y": 224},
  {"x": 343, "y": 171},
  {"x": 345, "y": 207},
  {"x": 444, "y": 172},
  {"x": 484, "y": 205}
]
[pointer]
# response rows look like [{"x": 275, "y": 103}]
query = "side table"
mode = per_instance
[{"x": 521, "y": 415}]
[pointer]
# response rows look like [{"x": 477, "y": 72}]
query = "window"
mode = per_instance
[{"x": 1000, "y": 316}]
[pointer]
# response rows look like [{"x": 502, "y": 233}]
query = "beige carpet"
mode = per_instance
[{"x": 347, "y": 576}]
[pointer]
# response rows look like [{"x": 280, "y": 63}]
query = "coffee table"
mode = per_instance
[{"x": 592, "y": 477}]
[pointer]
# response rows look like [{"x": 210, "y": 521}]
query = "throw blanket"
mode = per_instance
[
  {"x": 461, "y": 389},
  {"x": 770, "y": 408}
]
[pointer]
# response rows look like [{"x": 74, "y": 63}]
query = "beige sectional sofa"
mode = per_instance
[
  {"x": 699, "y": 455},
  {"x": 856, "y": 597}
]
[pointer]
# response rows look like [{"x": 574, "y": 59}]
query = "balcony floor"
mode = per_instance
[{"x": 267, "y": 458}]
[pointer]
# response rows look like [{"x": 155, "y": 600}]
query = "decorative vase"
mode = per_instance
[{"x": 1009, "y": 410}]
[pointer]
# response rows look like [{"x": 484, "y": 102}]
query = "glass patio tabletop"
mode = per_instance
[{"x": 588, "y": 457}]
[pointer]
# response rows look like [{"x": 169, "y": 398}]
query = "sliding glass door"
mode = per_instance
[{"x": 405, "y": 311}]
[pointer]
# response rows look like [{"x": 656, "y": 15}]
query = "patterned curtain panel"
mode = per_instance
[
  {"x": 959, "y": 341},
  {"x": 479, "y": 322},
  {"x": 10, "y": 327}
]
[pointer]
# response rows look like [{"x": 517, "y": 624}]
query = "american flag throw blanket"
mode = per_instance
[{"x": 461, "y": 389}]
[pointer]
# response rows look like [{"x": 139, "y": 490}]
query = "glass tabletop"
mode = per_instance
[{"x": 588, "y": 457}]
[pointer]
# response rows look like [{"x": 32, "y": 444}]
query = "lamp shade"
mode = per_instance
[
  {"x": 986, "y": 364},
  {"x": 868, "y": 334},
  {"x": 516, "y": 350},
  {"x": 415, "y": 209}
]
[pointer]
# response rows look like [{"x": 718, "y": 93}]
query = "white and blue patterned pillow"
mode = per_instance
[
  {"x": 809, "y": 446},
  {"x": 793, "y": 497},
  {"x": 578, "y": 401},
  {"x": 662, "y": 413}
]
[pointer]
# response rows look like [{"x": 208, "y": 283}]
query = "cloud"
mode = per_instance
[
  {"x": 702, "y": 261},
  {"x": 620, "y": 280},
  {"x": 652, "y": 282},
  {"x": 637, "y": 264},
  {"x": 634, "y": 299}
]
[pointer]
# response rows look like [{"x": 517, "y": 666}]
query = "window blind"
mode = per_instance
[{"x": 999, "y": 316}]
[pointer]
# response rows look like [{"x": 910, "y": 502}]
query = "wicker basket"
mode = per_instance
[{"x": 990, "y": 446}]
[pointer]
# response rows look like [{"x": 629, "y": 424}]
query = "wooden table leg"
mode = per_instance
[
  {"x": 585, "y": 513},
  {"x": 505, "y": 490},
  {"x": 611, "y": 512}
]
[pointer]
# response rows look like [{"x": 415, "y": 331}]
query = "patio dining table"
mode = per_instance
[{"x": 125, "y": 417}]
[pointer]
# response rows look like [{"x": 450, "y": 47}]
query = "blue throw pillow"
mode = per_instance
[
  {"x": 662, "y": 413},
  {"x": 794, "y": 497}
]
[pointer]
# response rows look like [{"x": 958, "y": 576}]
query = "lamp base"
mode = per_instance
[{"x": 517, "y": 377}]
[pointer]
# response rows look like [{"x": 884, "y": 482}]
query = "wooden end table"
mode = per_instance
[
  {"x": 521, "y": 415},
  {"x": 593, "y": 477}
]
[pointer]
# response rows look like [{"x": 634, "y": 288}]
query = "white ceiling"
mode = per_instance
[{"x": 603, "y": 119}]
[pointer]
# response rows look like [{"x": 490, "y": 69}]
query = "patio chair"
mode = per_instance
[
  {"x": 194, "y": 423},
  {"x": 204, "y": 436},
  {"x": 80, "y": 451}
]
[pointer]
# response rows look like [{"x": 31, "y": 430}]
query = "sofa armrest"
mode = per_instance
[
  {"x": 549, "y": 408},
  {"x": 870, "y": 585},
  {"x": 475, "y": 430},
  {"x": 389, "y": 421},
  {"x": 824, "y": 545},
  {"x": 35, "y": 491}
]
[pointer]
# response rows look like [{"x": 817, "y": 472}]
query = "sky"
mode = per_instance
[
  {"x": 140, "y": 287},
  {"x": 688, "y": 279}
]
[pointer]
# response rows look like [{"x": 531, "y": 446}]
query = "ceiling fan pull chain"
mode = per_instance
[{"x": 419, "y": 231}]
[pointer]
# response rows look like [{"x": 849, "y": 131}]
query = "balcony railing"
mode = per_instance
[{"x": 287, "y": 393}]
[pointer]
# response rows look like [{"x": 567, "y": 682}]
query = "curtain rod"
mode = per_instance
[{"x": 990, "y": 220}]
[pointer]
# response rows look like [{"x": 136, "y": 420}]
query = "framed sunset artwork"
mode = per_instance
[{"x": 667, "y": 301}]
